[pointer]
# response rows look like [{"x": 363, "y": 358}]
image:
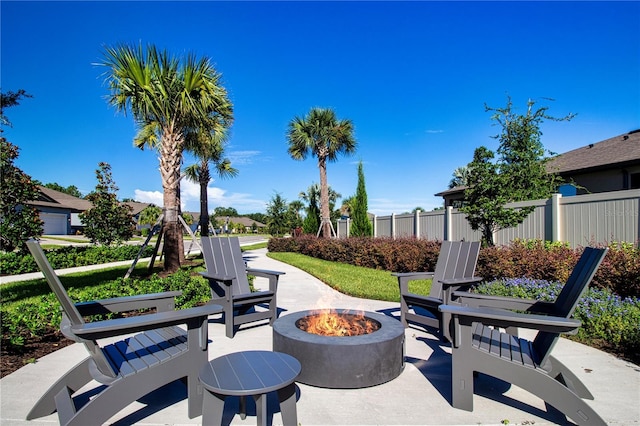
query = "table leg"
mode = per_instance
[
  {"x": 261, "y": 408},
  {"x": 287, "y": 397},
  {"x": 212, "y": 408},
  {"x": 243, "y": 407}
]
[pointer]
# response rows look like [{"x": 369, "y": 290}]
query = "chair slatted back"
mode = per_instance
[
  {"x": 223, "y": 256},
  {"x": 457, "y": 259},
  {"x": 71, "y": 315},
  {"x": 566, "y": 302},
  {"x": 67, "y": 304}
]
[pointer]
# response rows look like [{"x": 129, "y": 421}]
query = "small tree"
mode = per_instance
[
  {"x": 277, "y": 209},
  {"x": 18, "y": 221},
  {"x": 108, "y": 221},
  {"x": 150, "y": 215},
  {"x": 360, "y": 225},
  {"x": 519, "y": 173}
]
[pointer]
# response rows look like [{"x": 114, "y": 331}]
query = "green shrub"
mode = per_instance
[
  {"x": 399, "y": 255},
  {"x": 36, "y": 315},
  {"x": 69, "y": 257},
  {"x": 535, "y": 259}
]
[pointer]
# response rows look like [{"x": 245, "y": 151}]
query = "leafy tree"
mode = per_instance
[
  {"x": 519, "y": 173},
  {"x": 225, "y": 211},
  {"x": 311, "y": 223},
  {"x": 324, "y": 136},
  {"x": 150, "y": 215},
  {"x": 360, "y": 224},
  {"x": 208, "y": 147},
  {"x": 258, "y": 217},
  {"x": 294, "y": 208},
  {"x": 347, "y": 206},
  {"x": 460, "y": 177},
  {"x": 70, "y": 190},
  {"x": 108, "y": 221},
  {"x": 18, "y": 221},
  {"x": 277, "y": 222},
  {"x": 415, "y": 209},
  {"x": 167, "y": 96},
  {"x": 10, "y": 99}
]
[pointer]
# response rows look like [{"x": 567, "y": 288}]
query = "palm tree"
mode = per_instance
[
  {"x": 460, "y": 177},
  {"x": 324, "y": 136},
  {"x": 208, "y": 147},
  {"x": 168, "y": 96}
]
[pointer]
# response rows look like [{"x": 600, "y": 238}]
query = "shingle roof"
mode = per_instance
[
  {"x": 52, "y": 198},
  {"x": 619, "y": 150},
  {"x": 137, "y": 207}
]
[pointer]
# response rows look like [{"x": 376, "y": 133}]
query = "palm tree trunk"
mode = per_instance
[
  {"x": 204, "y": 202},
  {"x": 324, "y": 198},
  {"x": 170, "y": 161}
]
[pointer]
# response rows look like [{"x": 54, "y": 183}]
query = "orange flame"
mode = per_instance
[{"x": 331, "y": 323}]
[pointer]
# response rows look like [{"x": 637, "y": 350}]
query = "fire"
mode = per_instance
[{"x": 331, "y": 323}]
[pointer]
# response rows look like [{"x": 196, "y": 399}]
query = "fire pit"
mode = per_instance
[{"x": 368, "y": 358}]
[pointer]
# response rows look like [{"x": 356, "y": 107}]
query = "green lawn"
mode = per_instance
[{"x": 355, "y": 281}]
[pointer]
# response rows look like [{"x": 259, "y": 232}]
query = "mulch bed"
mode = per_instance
[{"x": 34, "y": 348}]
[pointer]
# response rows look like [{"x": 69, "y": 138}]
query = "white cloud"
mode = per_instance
[
  {"x": 242, "y": 157},
  {"x": 154, "y": 197},
  {"x": 434, "y": 131},
  {"x": 217, "y": 197}
]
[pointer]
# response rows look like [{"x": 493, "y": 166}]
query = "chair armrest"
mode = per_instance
[
  {"x": 273, "y": 276},
  {"x": 461, "y": 282},
  {"x": 477, "y": 300},
  {"x": 162, "y": 302},
  {"x": 405, "y": 277},
  {"x": 465, "y": 315},
  {"x": 120, "y": 326},
  {"x": 455, "y": 284},
  {"x": 227, "y": 279}
]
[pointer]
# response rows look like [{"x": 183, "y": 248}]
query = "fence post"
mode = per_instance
[
  {"x": 393, "y": 226},
  {"x": 448, "y": 223},
  {"x": 348, "y": 228},
  {"x": 417, "y": 227},
  {"x": 375, "y": 225},
  {"x": 556, "y": 218}
]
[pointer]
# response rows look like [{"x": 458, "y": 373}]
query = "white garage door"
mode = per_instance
[{"x": 54, "y": 223}]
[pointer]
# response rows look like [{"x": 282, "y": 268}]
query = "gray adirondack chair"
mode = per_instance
[
  {"x": 479, "y": 346},
  {"x": 131, "y": 367},
  {"x": 454, "y": 269},
  {"x": 227, "y": 276}
]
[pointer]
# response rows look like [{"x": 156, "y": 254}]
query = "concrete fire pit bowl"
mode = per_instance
[{"x": 343, "y": 362}]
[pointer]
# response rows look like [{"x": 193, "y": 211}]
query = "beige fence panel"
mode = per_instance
[
  {"x": 578, "y": 220},
  {"x": 601, "y": 218},
  {"x": 535, "y": 226},
  {"x": 432, "y": 225}
]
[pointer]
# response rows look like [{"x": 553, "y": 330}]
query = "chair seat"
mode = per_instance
[
  {"x": 255, "y": 297},
  {"x": 145, "y": 350},
  {"x": 503, "y": 345}
]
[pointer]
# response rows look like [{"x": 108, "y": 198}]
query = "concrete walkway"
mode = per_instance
[{"x": 419, "y": 396}]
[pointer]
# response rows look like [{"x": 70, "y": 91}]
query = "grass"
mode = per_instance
[{"x": 352, "y": 280}]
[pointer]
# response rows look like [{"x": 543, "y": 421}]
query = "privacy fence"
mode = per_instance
[{"x": 578, "y": 220}]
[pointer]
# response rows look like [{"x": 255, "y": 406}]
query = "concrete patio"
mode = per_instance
[{"x": 419, "y": 396}]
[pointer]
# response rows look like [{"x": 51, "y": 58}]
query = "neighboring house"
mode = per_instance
[
  {"x": 245, "y": 221},
  {"x": 609, "y": 165},
  {"x": 59, "y": 211},
  {"x": 136, "y": 209}
]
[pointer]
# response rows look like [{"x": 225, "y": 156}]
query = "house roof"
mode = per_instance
[
  {"x": 619, "y": 150},
  {"x": 48, "y": 197},
  {"x": 454, "y": 190},
  {"x": 137, "y": 207}
]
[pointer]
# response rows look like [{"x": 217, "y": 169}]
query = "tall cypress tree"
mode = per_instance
[{"x": 360, "y": 225}]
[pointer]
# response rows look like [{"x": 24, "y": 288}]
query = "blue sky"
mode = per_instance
[{"x": 412, "y": 76}]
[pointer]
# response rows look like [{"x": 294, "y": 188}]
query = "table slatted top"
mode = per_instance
[{"x": 249, "y": 373}]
